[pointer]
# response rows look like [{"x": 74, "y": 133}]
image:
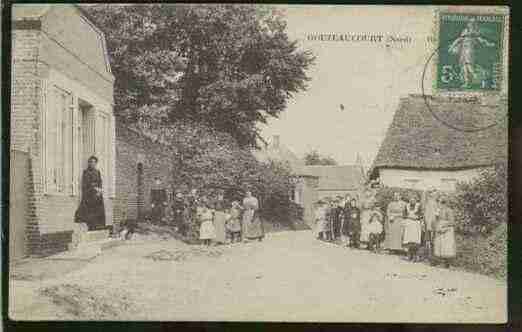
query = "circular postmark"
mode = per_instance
[{"x": 461, "y": 107}]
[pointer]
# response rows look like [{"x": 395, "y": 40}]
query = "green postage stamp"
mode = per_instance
[{"x": 470, "y": 54}]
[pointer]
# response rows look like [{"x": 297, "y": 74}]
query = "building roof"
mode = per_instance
[
  {"x": 344, "y": 177},
  {"x": 39, "y": 12},
  {"x": 416, "y": 139},
  {"x": 275, "y": 151},
  {"x": 29, "y": 11}
]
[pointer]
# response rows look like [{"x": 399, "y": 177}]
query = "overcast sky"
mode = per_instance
[{"x": 368, "y": 78}]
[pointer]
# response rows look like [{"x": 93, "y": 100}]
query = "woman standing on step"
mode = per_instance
[{"x": 91, "y": 210}]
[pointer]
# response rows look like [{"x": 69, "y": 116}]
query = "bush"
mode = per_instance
[
  {"x": 484, "y": 254},
  {"x": 481, "y": 204},
  {"x": 209, "y": 160}
]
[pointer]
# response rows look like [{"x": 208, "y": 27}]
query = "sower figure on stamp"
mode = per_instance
[
  {"x": 91, "y": 210},
  {"x": 158, "y": 200},
  {"x": 465, "y": 47}
]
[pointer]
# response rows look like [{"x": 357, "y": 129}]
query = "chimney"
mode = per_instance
[{"x": 275, "y": 141}]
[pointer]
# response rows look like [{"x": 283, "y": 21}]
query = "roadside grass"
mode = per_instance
[
  {"x": 86, "y": 304},
  {"x": 484, "y": 254}
]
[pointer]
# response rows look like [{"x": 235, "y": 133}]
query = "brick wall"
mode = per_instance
[
  {"x": 25, "y": 88},
  {"x": 34, "y": 52},
  {"x": 131, "y": 149}
]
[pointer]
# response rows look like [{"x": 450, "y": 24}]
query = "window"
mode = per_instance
[
  {"x": 448, "y": 184},
  {"x": 412, "y": 183},
  {"x": 59, "y": 141}
]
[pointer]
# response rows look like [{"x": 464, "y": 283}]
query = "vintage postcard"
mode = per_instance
[{"x": 288, "y": 163}]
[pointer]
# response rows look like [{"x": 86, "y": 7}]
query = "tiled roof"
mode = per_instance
[
  {"x": 344, "y": 177},
  {"x": 416, "y": 139}
]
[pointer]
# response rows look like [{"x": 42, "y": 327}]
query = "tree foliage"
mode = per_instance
[
  {"x": 210, "y": 160},
  {"x": 482, "y": 202},
  {"x": 226, "y": 66},
  {"x": 315, "y": 158}
]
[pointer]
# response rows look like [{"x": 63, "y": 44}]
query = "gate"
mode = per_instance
[{"x": 18, "y": 203}]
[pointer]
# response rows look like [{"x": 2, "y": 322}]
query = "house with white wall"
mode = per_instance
[{"x": 421, "y": 151}]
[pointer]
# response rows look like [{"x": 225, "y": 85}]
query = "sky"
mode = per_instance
[{"x": 368, "y": 78}]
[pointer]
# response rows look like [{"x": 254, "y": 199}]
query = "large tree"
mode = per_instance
[{"x": 225, "y": 66}]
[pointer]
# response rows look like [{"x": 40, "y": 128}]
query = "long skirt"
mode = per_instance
[
  {"x": 322, "y": 226},
  {"x": 92, "y": 212},
  {"x": 219, "y": 225},
  {"x": 207, "y": 230},
  {"x": 412, "y": 231},
  {"x": 444, "y": 244},
  {"x": 393, "y": 231},
  {"x": 252, "y": 224}
]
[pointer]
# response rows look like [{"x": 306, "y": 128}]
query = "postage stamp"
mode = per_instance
[{"x": 470, "y": 53}]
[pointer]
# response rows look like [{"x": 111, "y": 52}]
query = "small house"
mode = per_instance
[
  {"x": 452, "y": 140},
  {"x": 338, "y": 180}
]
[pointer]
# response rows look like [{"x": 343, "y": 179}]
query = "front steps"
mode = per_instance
[{"x": 86, "y": 245}]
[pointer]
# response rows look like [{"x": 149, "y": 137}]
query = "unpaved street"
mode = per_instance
[{"x": 288, "y": 277}]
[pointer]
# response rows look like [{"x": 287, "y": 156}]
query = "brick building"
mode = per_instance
[{"x": 61, "y": 113}]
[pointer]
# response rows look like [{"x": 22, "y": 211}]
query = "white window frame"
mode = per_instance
[
  {"x": 69, "y": 181},
  {"x": 100, "y": 105}
]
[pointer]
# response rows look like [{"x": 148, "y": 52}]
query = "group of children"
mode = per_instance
[
  {"x": 198, "y": 218},
  {"x": 341, "y": 219},
  {"x": 421, "y": 230}
]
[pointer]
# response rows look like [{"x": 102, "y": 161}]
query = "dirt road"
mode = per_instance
[{"x": 288, "y": 277}]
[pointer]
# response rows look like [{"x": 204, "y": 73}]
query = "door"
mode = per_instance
[{"x": 18, "y": 204}]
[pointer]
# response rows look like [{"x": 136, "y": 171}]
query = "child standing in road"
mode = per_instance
[
  {"x": 207, "y": 232},
  {"x": 234, "y": 223}
]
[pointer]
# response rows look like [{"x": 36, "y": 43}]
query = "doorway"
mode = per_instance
[{"x": 87, "y": 132}]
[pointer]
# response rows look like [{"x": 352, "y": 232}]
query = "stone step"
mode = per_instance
[
  {"x": 94, "y": 236},
  {"x": 85, "y": 250}
]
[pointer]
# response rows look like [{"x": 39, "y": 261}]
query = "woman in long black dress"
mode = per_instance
[{"x": 91, "y": 210}]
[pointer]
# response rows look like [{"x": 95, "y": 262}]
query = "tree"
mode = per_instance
[
  {"x": 314, "y": 158},
  {"x": 226, "y": 66}
]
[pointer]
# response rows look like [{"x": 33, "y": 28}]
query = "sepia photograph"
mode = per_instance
[{"x": 256, "y": 162}]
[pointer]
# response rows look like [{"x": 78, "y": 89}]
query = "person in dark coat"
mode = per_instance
[
  {"x": 337, "y": 211},
  {"x": 158, "y": 201},
  {"x": 353, "y": 221},
  {"x": 91, "y": 210},
  {"x": 178, "y": 207},
  {"x": 191, "y": 220}
]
